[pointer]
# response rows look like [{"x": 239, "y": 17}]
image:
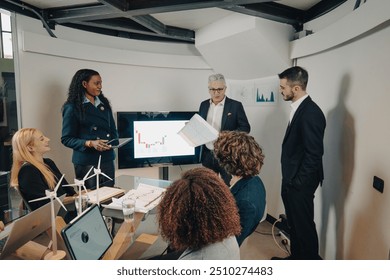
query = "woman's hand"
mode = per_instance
[
  {"x": 1, "y": 226},
  {"x": 99, "y": 145}
]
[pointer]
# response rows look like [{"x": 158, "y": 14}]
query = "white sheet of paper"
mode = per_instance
[{"x": 198, "y": 131}]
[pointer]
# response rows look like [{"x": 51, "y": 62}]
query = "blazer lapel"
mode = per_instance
[
  {"x": 226, "y": 112},
  {"x": 296, "y": 116},
  {"x": 101, "y": 112}
]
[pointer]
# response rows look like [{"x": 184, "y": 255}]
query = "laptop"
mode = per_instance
[
  {"x": 87, "y": 236},
  {"x": 26, "y": 228}
]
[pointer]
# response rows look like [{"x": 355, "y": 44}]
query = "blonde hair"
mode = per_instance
[{"x": 21, "y": 154}]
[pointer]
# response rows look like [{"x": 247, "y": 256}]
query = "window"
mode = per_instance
[
  {"x": 8, "y": 106},
  {"x": 6, "y": 34}
]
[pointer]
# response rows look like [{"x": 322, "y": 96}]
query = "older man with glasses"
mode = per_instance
[{"x": 223, "y": 113}]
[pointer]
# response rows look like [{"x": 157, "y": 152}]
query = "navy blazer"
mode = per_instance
[
  {"x": 303, "y": 147},
  {"x": 233, "y": 116},
  {"x": 98, "y": 123},
  {"x": 250, "y": 197}
]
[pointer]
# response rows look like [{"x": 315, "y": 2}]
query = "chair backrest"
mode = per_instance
[{"x": 25, "y": 205}]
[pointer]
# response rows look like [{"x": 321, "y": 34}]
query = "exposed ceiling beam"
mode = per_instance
[
  {"x": 137, "y": 7},
  {"x": 123, "y": 34},
  {"x": 322, "y": 8},
  {"x": 129, "y": 26},
  {"x": 150, "y": 23},
  {"x": 118, "y": 4}
]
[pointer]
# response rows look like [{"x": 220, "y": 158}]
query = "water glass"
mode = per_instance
[{"x": 128, "y": 208}]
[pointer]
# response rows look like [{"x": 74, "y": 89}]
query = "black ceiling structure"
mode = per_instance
[{"x": 133, "y": 18}]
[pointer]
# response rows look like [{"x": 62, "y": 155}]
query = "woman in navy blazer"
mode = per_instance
[
  {"x": 87, "y": 125},
  {"x": 240, "y": 155}
]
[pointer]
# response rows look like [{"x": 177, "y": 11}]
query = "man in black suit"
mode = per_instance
[
  {"x": 301, "y": 161},
  {"x": 223, "y": 113}
]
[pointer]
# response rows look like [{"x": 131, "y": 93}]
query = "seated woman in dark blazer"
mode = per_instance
[
  {"x": 33, "y": 174},
  {"x": 242, "y": 157}
]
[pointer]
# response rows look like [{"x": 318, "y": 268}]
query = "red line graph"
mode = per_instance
[{"x": 149, "y": 145}]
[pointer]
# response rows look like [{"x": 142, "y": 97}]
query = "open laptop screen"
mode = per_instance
[{"x": 87, "y": 236}]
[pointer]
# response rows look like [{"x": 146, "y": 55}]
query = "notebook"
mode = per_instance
[
  {"x": 26, "y": 228},
  {"x": 87, "y": 236}
]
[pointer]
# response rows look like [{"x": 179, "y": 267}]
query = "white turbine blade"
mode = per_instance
[
  {"x": 86, "y": 175},
  {"x": 106, "y": 176},
  {"x": 71, "y": 185},
  {"x": 100, "y": 157},
  {"x": 60, "y": 202},
  {"x": 90, "y": 177},
  {"x": 38, "y": 199},
  {"x": 58, "y": 184}
]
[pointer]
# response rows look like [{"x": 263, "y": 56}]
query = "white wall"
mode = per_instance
[{"x": 349, "y": 82}]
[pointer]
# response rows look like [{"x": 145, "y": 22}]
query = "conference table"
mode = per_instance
[{"x": 132, "y": 239}]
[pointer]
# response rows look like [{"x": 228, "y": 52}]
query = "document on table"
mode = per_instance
[
  {"x": 147, "y": 197},
  {"x": 197, "y": 131},
  {"x": 105, "y": 193}
]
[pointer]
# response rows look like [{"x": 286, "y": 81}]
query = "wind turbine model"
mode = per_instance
[
  {"x": 80, "y": 184},
  {"x": 97, "y": 172},
  {"x": 52, "y": 195}
]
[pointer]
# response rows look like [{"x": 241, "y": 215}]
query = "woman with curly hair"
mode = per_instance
[
  {"x": 87, "y": 126},
  {"x": 198, "y": 215},
  {"x": 242, "y": 157}
]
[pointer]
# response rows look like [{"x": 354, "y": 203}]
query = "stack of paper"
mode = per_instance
[
  {"x": 147, "y": 197},
  {"x": 105, "y": 193},
  {"x": 197, "y": 132}
]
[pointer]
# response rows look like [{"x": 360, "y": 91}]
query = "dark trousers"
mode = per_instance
[
  {"x": 299, "y": 206},
  {"x": 107, "y": 168},
  {"x": 209, "y": 161}
]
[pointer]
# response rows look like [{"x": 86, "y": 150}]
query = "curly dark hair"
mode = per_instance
[
  {"x": 197, "y": 210},
  {"x": 239, "y": 153},
  {"x": 77, "y": 91}
]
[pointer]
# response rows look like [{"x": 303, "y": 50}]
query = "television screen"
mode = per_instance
[{"x": 155, "y": 139}]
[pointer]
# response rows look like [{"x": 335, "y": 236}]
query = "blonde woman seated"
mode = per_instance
[
  {"x": 198, "y": 215},
  {"x": 33, "y": 174}
]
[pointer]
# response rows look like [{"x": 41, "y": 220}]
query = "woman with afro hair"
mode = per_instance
[{"x": 198, "y": 216}]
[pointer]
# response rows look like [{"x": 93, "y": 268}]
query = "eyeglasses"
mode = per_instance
[{"x": 214, "y": 90}]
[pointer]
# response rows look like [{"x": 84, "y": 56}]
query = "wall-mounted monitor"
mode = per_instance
[{"x": 155, "y": 139}]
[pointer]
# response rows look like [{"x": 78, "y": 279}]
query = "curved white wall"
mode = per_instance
[{"x": 347, "y": 63}]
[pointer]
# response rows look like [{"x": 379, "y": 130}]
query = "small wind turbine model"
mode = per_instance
[
  {"x": 97, "y": 172},
  {"x": 80, "y": 184},
  {"x": 52, "y": 195}
]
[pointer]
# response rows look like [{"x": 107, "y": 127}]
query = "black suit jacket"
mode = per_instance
[
  {"x": 233, "y": 116},
  {"x": 303, "y": 147}
]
